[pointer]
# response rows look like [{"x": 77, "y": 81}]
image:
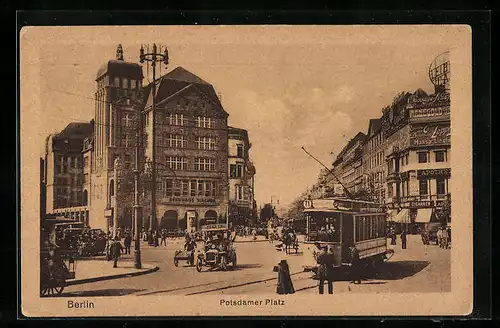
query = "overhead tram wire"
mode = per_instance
[
  {"x": 331, "y": 172},
  {"x": 109, "y": 102}
]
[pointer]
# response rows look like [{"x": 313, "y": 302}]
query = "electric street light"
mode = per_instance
[{"x": 153, "y": 58}]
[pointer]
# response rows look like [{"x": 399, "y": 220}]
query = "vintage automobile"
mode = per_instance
[
  {"x": 92, "y": 242},
  {"x": 218, "y": 249}
]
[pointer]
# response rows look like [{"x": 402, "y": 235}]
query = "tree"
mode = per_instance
[{"x": 266, "y": 213}]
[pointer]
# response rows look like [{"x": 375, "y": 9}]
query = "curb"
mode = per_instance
[
  {"x": 250, "y": 241},
  {"x": 116, "y": 276}
]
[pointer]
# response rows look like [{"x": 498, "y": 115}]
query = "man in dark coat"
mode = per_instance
[
  {"x": 285, "y": 285},
  {"x": 326, "y": 261},
  {"x": 403, "y": 239},
  {"x": 127, "y": 242},
  {"x": 355, "y": 265},
  {"x": 116, "y": 250}
]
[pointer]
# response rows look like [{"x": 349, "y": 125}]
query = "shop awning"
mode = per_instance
[
  {"x": 402, "y": 216},
  {"x": 423, "y": 215}
]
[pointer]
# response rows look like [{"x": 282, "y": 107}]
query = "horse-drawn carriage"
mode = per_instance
[
  {"x": 289, "y": 241},
  {"x": 57, "y": 256}
]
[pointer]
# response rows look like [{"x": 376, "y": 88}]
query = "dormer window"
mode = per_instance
[
  {"x": 132, "y": 84},
  {"x": 117, "y": 82},
  {"x": 125, "y": 83}
]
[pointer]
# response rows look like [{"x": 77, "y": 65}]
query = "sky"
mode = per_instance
[{"x": 311, "y": 86}]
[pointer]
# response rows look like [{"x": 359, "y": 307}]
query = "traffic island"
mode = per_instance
[{"x": 97, "y": 270}]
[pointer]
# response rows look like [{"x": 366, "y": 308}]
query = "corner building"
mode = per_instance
[
  {"x": 191, "y": 137},
  {"x": 418, "y": 157}
]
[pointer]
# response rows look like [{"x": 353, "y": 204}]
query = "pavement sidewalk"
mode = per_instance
[{"x": 92, "y": 270}]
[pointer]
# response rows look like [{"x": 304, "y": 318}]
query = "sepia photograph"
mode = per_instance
[{"x": 246, "y": 170}]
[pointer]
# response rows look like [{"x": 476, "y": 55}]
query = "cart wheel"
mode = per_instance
[
  {"x": 176, "y": 261},
  {"x": 223, "y": 263},
  {"x": 199, "y": 265},
  {"x": 234, "y": 261}
]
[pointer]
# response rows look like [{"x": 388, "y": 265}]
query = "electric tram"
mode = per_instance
[{"x": 343, "y": 223}]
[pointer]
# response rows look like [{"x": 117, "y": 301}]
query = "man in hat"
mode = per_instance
[
  {"x": 326, "y": 261},
  {"x": 355, "y": 265},
  {"x": 116, "y": 250}
]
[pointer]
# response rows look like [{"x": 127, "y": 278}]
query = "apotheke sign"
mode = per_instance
[{"x": 433, "y": 173}]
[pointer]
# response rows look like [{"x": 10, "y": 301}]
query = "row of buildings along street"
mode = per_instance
[{"x": 402, "y": 160}]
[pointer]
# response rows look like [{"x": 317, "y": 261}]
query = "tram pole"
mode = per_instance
[{"x": 329, "y": 171}]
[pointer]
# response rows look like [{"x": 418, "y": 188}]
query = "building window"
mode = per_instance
[
  {"x": 127, "y": 120},
  {"x": 423, "y": 187},
  {"x": 177, "y": 163},
  {"x": 168, "y": 187},
  {"x": 239, "y": 192},
  {"x": 177, "y": 119},
  {"x": 440, "y": 156},
  {"x": 126, "y": 141},
  {"x": 204, "y": 164},
  {"x": 205, "y": 143},
  {"x": 127, "y": 161},
  {"x": 441, "y": 186},
  {"x": 239, "y": 171},
  {"x": 117, "y": 82},
  {"x": 132, "y": 84},
  {"x": 208, "y": 189},
  {"x": 232, "y": 170},
  {"x": 185, "y": 188},
  {"x": 86, "y": 178},
  {"x": 205, "y": 122},
  {"x": 422, "y": 157},
  {"x": 193, "y": 188},
  {"x": 200, "y": 188},
  {"x": 240, "y": 150},
  {"x": 125, "y": 83},
  {"x": 176, "y": 141}
]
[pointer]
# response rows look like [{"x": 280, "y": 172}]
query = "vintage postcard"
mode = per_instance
[{"x": 246, "y": 170}]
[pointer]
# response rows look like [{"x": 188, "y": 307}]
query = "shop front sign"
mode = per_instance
[{"x": 430, "y": 173}]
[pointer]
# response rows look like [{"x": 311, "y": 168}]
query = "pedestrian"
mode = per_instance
[
  {"x": 355, "y": 265},
  {"x": 127, "y": 242},
  {"x": 163, "y": 237},
  {"x": 285, "y": 285},
  {"x": 326, "y": 261},
  {"x": 403, "y": 239},
  {"x": 393, "y": 236},
  {"x": 116, "y": 250},
  {"x": 155, "y": 238}
]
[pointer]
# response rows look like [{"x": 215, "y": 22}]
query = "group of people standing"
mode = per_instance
[{"x": 393, "y": 237}]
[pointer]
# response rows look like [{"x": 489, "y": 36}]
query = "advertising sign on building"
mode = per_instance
[
  {"x": 430, "y": 134},
  {"x": 430, "y": 173},
  {"x": 432, "y": 113}
]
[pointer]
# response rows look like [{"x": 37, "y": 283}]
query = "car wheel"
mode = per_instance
[{"x": 199, "y": 265}]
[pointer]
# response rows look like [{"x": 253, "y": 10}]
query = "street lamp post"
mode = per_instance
[
  {"x": 137, "y": 246},
  {"x": 153, "y": 58}
]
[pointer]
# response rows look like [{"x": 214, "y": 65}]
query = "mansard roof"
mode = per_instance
[{"x": 177, "y": 80}]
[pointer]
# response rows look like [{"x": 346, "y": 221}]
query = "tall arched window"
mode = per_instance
[{"x": 85, "y": 198}]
